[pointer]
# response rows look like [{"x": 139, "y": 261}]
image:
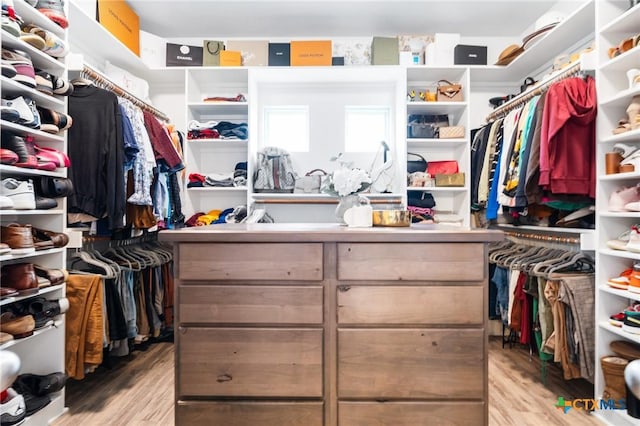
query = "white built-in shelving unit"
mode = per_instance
[
  {"x": 615, "y": 21},
  {"x": 44, "y": 351}
]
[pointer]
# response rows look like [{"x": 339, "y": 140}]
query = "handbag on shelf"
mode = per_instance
[
  {"x": 451, "y": 132},
  {"x": 310, "y": 183},
  {"x": 453, "y": 179},
  {"x": 211, "y": 52},
  {"x": 449, "y": 92},
  {"x": 420, "y": 199},
  {"x": 419, "y": 165},
  {"x": 445, "y": 167},
  {"x": 426, "y": 126}
]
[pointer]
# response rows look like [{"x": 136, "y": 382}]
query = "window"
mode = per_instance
[
  {"x": 287, "y": 127},
  {"x": 365, "y": 127}
]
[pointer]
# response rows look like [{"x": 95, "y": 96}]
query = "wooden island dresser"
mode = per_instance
[{"x": 317, "y": 324}]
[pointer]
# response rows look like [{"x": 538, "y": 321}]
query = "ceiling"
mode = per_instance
[{"x": 337, "y": 18}]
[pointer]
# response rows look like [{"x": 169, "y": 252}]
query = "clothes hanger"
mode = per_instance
[{"x": 90, "y": 265}]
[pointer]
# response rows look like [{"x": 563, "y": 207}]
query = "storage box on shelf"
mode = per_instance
[
  {"x": 449, "y": 200},
  {"x": 43, "y": 352},
  {"x": 616, "y": 22}
]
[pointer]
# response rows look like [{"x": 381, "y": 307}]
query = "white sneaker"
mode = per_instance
[
  {"x": 634, "y": 240},
  {"x": 5, "y": 202},
  {"x": 12, "y": 409},
  {"x": 27, "y": 112},
  {"x": 19, "y": 192}
]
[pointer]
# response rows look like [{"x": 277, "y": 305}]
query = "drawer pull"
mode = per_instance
[
  {"x": 224, "y": 378},
  {"x": 344, "y": 288}
]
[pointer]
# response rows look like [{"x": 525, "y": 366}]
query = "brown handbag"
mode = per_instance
[{"x": 449, "y": 92}]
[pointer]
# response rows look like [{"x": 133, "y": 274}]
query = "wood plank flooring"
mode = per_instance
[{"x": 139, "y": 392}]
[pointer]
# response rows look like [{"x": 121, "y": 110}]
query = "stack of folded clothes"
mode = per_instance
[
  {"x": 237, "y": 178},
  {"x": 217, "y": 130}
]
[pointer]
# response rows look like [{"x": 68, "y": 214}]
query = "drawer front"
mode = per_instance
[
  {"x": 205, "y": 413},
  {"x": 255, "y": 261},
  {"x": 250, "y": 304},
  {"x": 249, "y": 362},
  {"x": 411, "y": 261},
  {"x": 411, "y": 363},
  {"x": 411, "y": 305},
  {"x": 411, "y": 413}
]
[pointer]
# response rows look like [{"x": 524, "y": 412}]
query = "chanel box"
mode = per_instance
[
  {"x": 469, "y": 55},
  {"x": 279, "y": 54}
]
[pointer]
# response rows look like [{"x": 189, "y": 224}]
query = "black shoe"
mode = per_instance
[
  {"x": 44, "y": 203},
  {"x": 38, "y": 385}
]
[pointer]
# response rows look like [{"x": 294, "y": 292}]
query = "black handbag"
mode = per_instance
[
  {"x": 416, "y": 165},
  {"x": 420, "y": 199},
  {"x": 426, "y": 126}
]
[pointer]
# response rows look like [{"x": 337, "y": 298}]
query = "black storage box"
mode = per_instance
[
  {"x": 279, "y": 54},
  {"x": 181, "y": 55},
  {"x": 464, "y": 54},
  {"x": 337, "y": 60}
]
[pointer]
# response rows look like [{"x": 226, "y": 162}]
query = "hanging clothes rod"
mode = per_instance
[
  {"x": 95, "y": 75},
  {"x": 536, "y": 90},
  {"x": 544, "y": 238}
]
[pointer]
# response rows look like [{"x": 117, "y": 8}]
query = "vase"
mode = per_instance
[{"x": 348, "y": 201}]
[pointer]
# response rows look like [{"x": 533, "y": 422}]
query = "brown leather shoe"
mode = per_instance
[
  {"x": 18, "y": 237},
  {"x": 55, "y": 276},
  {"x": 20, "y": 276},
  {"x": 5, "y": 249},
  {"x": 5, "y": 337},
  {"x": 7, "y": 292},
  {"x": 18, "y": 327},
  {"x": 42, "y": 236}
]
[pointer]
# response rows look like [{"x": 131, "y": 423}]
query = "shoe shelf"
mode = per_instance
[
  {"x": 619, "y": 331},
  {"x": 8, "y": 212},
  {"x": 622, "y": 99},
  {"x": 52, "y": 411},
  {"x": 621, "y": 214},
  {"x": 627, "y": 22},
  {"x": 37, "y": 253},
  {"x": 623, "y": 62},
  {"x": 23, "y": 171},
  {"x": 621, "y": 293},
  {"x": 37, "y": 332},
  {"x": 38, "y": 58},
  {"x": 38, "y": 135},
  {"x": 42, "y": 292},
  {"x": 622, "y": 137},
  {"x": 620, "y": 253},
  {"x": 620, "y": 176},
  {"x": 29, "y": 14},
  {"x": 13, "y": 88},
  {"x": 615, "y": 418}
]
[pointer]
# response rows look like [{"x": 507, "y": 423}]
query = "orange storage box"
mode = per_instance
[
  {"x": 311, "y": 53},
  {"x": 230, "y": 58}
]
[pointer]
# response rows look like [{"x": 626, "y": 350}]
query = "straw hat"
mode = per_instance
[{"x": 509, "y": 54}]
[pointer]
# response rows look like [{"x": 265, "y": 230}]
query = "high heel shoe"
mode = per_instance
[
  {"x": 633, "y": 160},
  {"x": 633, "y": 75},
  {"x": 633, "y": 111},
  {"x": 624, "y": 149}
]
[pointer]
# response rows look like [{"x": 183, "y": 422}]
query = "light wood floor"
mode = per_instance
[{"x": 139, "y": 392}]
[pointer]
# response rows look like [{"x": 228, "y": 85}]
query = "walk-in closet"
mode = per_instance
[{"x": 301, "y": 212}]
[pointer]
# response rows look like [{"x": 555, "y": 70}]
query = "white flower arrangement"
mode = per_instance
[{"x": 346, "y": 180}]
